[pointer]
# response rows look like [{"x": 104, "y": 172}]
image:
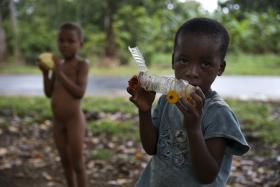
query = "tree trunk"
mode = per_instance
[
  {"x": 110, "y": 45},
  {"x": 2, "y": 41},
  {"x": 12, "y": 8}
]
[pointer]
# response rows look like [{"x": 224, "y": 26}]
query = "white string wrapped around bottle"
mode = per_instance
[{"x": 172, "y": 87}]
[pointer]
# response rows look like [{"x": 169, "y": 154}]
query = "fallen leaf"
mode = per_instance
[
  {"x": 47, "y": 176},
  {"x": 3, "y": 151}
]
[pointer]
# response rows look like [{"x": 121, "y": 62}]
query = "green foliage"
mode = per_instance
[
  {"x": 36, "y": 38},
  {"x": 252, "y": 32},
  {"x": 249, "y": 6},
  {"x": 129, "y": 31},
  {"x": 151, "y": 25},
  {"x": 162, "y": 60},
  {"x": 93, "y": 42}
]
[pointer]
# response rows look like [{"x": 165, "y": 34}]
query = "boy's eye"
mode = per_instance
[
  {"x": 182, "y": 61},
  {"x": 205, "y": 64}
]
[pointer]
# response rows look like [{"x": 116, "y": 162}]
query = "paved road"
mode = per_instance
[{"x": 242, "y": 87}]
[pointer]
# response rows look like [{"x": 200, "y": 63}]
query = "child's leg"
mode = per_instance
[
  {"x": 60, "y": 139},
  {"x": 75, "y": 134}
]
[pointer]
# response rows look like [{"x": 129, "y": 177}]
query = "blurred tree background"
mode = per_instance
[
  {"x": 113, "y": 151},
  {"x": 29, "y": 27}
]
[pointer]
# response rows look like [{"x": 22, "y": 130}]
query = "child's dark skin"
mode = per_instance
[
  {"x": 66, "y": 88},
  {"x": 198, "y": 60}
]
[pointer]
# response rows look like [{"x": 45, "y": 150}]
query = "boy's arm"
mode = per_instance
[
  {"x": 48, "y": 82},
  {"x": 76, "y": 89},
  {"x": 148, "y": 133},
  {"x": 206, "y": 155},
  {"x": 143, "y": 100}
]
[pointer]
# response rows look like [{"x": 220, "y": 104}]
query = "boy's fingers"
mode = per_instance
[
  {"x": 133, "y": 82},
  {"x": 182, "y": 105},
  {"x": 199, "y": 92},
  {"x": 197, "y": 101},
  {"x": 55, "y": 60},
  {"x": 197, "y": 98},
  {"x": 133, "y": 79},
  {"x": 132, "y": 99},
  {"x": 42, "y": 67},
  {"x": 190, "y": 105},
  {"x": 152, "y": 93},
  {"x": 130, "y": 90}
]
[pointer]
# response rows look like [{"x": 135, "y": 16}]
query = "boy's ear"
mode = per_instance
[
  {"x": 222, "y": 68},
  {"x": 172, "y": 60}
]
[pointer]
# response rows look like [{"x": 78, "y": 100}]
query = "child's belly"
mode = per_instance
[{"x": 64, "y": 106}]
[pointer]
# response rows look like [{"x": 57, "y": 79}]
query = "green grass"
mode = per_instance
[
  {"x": 103, "y": 154},
  {"x": 245, "y": 64},
  {"x": 126, "y": 129},
  {"x": 19, "y": 69},
  {"x": 99, "y": 104},
  {"x": 36, "y": 107},
  {"x": 121, "y": 70},
  {"x": 237, "y": 64},
  {"x": 23, "y": 105},
  {"x": 261, "y": 118}
]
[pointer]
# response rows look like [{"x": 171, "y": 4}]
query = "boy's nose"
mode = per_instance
[
  {"x": 192, "y": 71},
  {"x": 64, "y": 44}
]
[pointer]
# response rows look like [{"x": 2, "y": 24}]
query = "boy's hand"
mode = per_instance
[
  {"x": 141, "y": 98},
  {"x": 192, "y": 109},
  {"x": 43, "y": 68},
  {"x": 57, "y": 66}
]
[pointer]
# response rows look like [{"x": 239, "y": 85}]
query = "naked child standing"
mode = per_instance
[{"x": 66, "y": 86}]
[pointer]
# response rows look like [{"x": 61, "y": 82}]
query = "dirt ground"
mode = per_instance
[{"x": 28, "y": 158}]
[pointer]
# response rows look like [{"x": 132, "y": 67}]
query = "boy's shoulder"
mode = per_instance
[
  {"x": 83, "y": 62},
  {"x": 214, "y": 100}
]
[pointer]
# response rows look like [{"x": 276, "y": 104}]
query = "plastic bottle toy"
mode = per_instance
[{"x": 173, "y": 88}]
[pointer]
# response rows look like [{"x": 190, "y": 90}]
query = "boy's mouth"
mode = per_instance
[{"x": 194, "y": 83}]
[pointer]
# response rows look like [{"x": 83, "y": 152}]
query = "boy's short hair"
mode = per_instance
[
  {"x": 205, "y": 26},
  {"x": 73, "y": 27}
]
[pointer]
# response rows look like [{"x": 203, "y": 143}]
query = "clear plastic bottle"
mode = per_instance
[
  {"x": 172, "y": 87},
  {"x": 164, "y": 85}
]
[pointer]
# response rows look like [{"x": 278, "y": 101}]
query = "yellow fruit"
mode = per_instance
[
  {"x": 46, "y": 59},
  {"x": 188, "y": 90},
  {"x": 172, "y": 97}
]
